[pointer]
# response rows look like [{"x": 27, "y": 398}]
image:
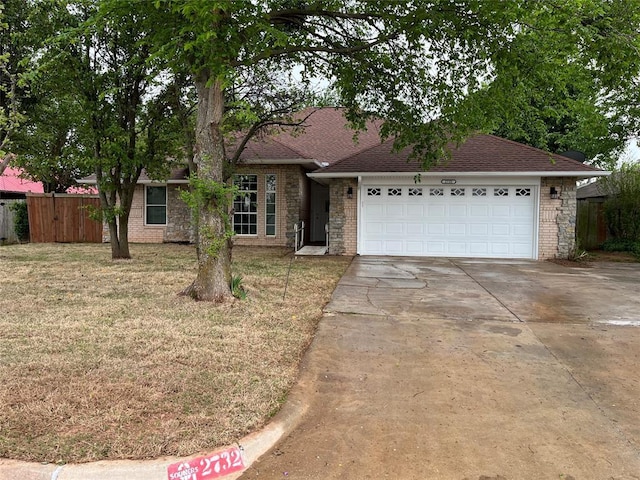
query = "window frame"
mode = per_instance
[
  {"x": 147, "y": 205},
  {"x": 252, "y": 214},
  {"x": 274, "y": 192}
]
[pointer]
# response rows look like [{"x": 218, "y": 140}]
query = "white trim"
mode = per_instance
[
  {"x": 275, "y": 204},
  {"x": 358, "y": 216},
  {"x": 536, "y": 220},
  {"x": 84, "y": 181},
  {"x": 323, "y": 175},
  {"x": 168, "y": 182},
  {"x": 311, "y": 162},
  {"x": 233, "y": 226}
]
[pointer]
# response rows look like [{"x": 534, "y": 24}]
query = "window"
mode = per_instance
[
  {"x": 270, "y": 204},
  {"x": 523, "y": 192},
  {"x": 415, "y": 192},
  {"x": 156, "y": 205},
  {"x": 436, "y": 192},
  {"x": 479, "y": 192},
  {"x": 500, "y": 192},
  {"x": 373, "y": 192},
  {"x": 457, "y": 192},
  {"x": 245, "y": 205},
  {"x": 394, "y": 192}
]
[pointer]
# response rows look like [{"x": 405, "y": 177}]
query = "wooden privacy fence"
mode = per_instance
[
  {"x": 591, "y": 227},
  {"x": 63, "y": 218},
  {"x": 7, "y": 222}
]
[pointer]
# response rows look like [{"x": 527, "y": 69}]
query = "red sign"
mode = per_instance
[{"x": 215, "y": 465}]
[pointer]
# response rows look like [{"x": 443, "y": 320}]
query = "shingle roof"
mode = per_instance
[
  {"x": 480, "y": 153},
  {"x": 325, "y": 137},
  {"x": 591, "y": 190}
]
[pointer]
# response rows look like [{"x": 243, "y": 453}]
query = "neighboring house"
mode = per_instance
[
  {"x": 493, "y": 198},
  {"x": 13, "y": 189}
]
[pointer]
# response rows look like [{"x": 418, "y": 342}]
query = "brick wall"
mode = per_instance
[
  {"x": 557, "y": 225},
  {"x": 343, "y": 224},
  {"x": 138, "y": 231}
]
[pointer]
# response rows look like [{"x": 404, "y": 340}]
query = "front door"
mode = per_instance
[{"x": 319, "y": 212}]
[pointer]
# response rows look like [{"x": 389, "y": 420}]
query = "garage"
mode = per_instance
[
  {"x": 490, "y": 198},
  {"x": 453, "y": 220}
]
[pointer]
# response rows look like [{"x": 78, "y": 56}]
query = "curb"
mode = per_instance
[{"x": 253, "y": 445}]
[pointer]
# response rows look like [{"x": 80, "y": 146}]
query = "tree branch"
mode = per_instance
[
  {"x": 5, "y": 161},
  {"x": 314, "y": 49},
  {"x": 266, "y": 122}
]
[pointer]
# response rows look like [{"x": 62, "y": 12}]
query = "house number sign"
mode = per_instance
[
  {"x": 212, "y": 466},
  {"x": 448, "y": 181}
]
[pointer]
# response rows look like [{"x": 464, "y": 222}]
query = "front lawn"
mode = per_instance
[{"x": 103, "y": 360}]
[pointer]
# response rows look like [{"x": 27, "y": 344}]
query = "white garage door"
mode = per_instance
[{"x": 453, "y": 221}]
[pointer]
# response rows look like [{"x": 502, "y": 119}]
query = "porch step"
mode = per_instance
[{"x": 312, "y": 250}]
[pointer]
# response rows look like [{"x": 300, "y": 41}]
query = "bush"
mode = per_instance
[
  {"x": 21, "y": 221},
  {"x": 622, "y": 208},
  {"x": 622, "y": 245}
]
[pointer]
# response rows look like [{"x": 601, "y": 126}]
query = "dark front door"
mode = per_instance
[{"x": 319, "y": 212}]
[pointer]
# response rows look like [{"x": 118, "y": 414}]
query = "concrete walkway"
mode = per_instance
[{"x": 468, "y": 369}]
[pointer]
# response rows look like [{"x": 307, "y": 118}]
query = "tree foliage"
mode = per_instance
[
  {"x": 558, "y": 83},
  {"x": 622, "y": 207},
  {"x": 12, "y": 79},
  {"x": 433, "y": 70},
  {"x": 107, "y": 109}
]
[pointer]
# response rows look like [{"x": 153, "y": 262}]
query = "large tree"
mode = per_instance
[
  {"x": 553, "y": 93},
  {"x": 108, "y": 108},
  {"x": 411, "y": 63},
  {"x": 13, "y": 22}
]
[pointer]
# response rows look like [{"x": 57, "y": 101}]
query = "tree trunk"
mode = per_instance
[
  {"x": 118, "y": 225},
  {"x": 214, "y": 248},
  {"x": 4, "y": 162}
]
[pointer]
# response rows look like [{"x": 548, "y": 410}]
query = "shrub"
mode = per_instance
[
  {"x": 237, "y": 290},
  {"x": 622, "y": 245},
  {"x": 21, "y": 221},
  {"x": 622, "y": 208}
]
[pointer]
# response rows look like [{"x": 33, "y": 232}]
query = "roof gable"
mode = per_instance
[{"x": 324, "y": 136}]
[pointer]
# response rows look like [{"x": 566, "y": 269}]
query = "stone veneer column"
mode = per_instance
[
  {"x": 343, "y": 234},
  {"x": 293, "y": 196},
  {"x": 179, "y": 224},
  {"x": 557, "y": 229}
]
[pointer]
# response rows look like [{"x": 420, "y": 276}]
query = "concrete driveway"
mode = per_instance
[{"x": 470, "y": 369}]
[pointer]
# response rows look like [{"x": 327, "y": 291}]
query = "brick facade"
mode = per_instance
[
  {"x": 292, "y": 206},
  {"x": 557, "y": 227},
  {"x": 343, "y": 221}
]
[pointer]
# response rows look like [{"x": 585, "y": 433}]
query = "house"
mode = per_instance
[
  {"x": 493, "y": 198},
  {"x": 13, "y": 189},
  {"x": 13, "y": 186}
]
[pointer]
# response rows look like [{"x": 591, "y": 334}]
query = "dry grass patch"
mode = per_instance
[{"x": 102, "y": 359}]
